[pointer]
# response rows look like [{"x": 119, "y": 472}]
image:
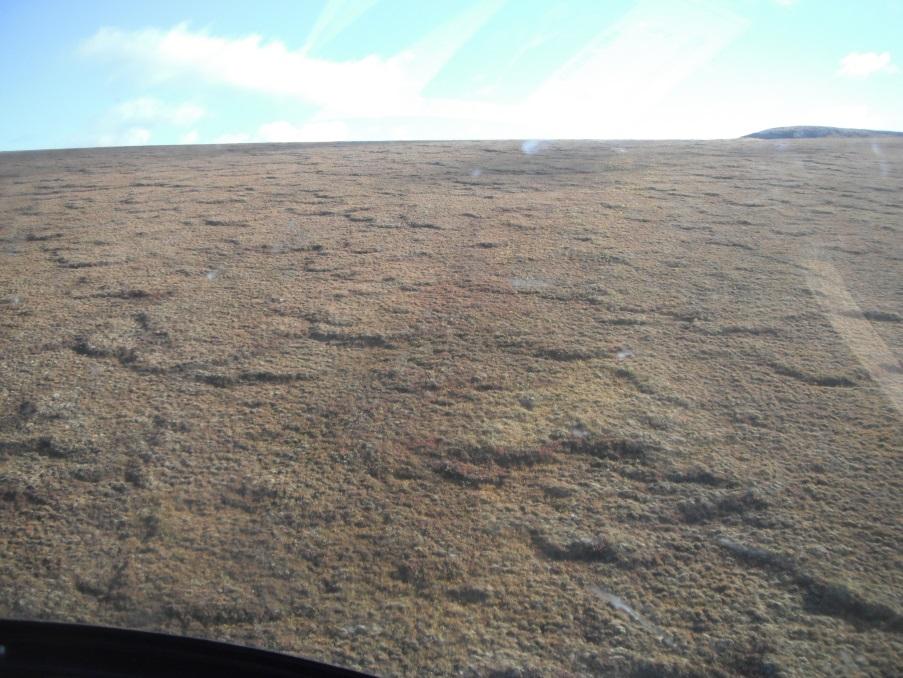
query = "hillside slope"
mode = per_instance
[
  {"x": 815, "y": 132},
  {"x": 449, "y": 408}
]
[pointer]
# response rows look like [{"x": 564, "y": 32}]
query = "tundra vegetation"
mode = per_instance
[{"x": 453, "y": 407}]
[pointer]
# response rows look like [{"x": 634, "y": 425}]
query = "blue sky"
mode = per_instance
[{"x": 123, "y": 73}]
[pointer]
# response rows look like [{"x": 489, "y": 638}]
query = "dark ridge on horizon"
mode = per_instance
[{"x": 816, "y": 132}]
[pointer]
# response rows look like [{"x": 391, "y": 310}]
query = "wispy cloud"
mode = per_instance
[
  {"x": 150, "y": 110},
  {"x": 373, "y": 86},
  {"x": 136, "y": 121},
  {"x": 284, "y": 131},
  {"x": 864, "y": 64},
  {"x": 233, "y": 138},
  {"x": 335, "y": 17},
  {"x": 133, "y": 136},
  {"x": 325, "y": 130},
  {"x": 620, "y": 79},
  {"x": 614, "y": 86}
]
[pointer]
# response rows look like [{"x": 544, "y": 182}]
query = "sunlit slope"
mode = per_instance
[{"x": 457, "y": 408}]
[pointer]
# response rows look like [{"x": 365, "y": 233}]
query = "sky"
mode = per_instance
[{"x": 83, "y": 74}]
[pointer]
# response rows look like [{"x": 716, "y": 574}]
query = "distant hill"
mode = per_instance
[{"x": 812, "y": 132}]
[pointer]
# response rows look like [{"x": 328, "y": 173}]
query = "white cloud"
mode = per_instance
[
  {"x": 133, "y": 122},
  {"x": 373, "y": 86},
  {"x": 281, "y": 131},
  {"x": 134, "y": 136},
  {"x": 232, "y": 138},
  {"x": 252, "y": 64},
  {"x": 137, "y": 136},
  {"x": 617, "y": 83},
  {"x": 620, "y": 85},
  {"x": 864, "y": 64},
  {"x": 150, "y": 110},
  {"x": 325, "y": 130}
]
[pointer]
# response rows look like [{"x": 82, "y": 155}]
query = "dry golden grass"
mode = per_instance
[{"x": 592, "y": 409}]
